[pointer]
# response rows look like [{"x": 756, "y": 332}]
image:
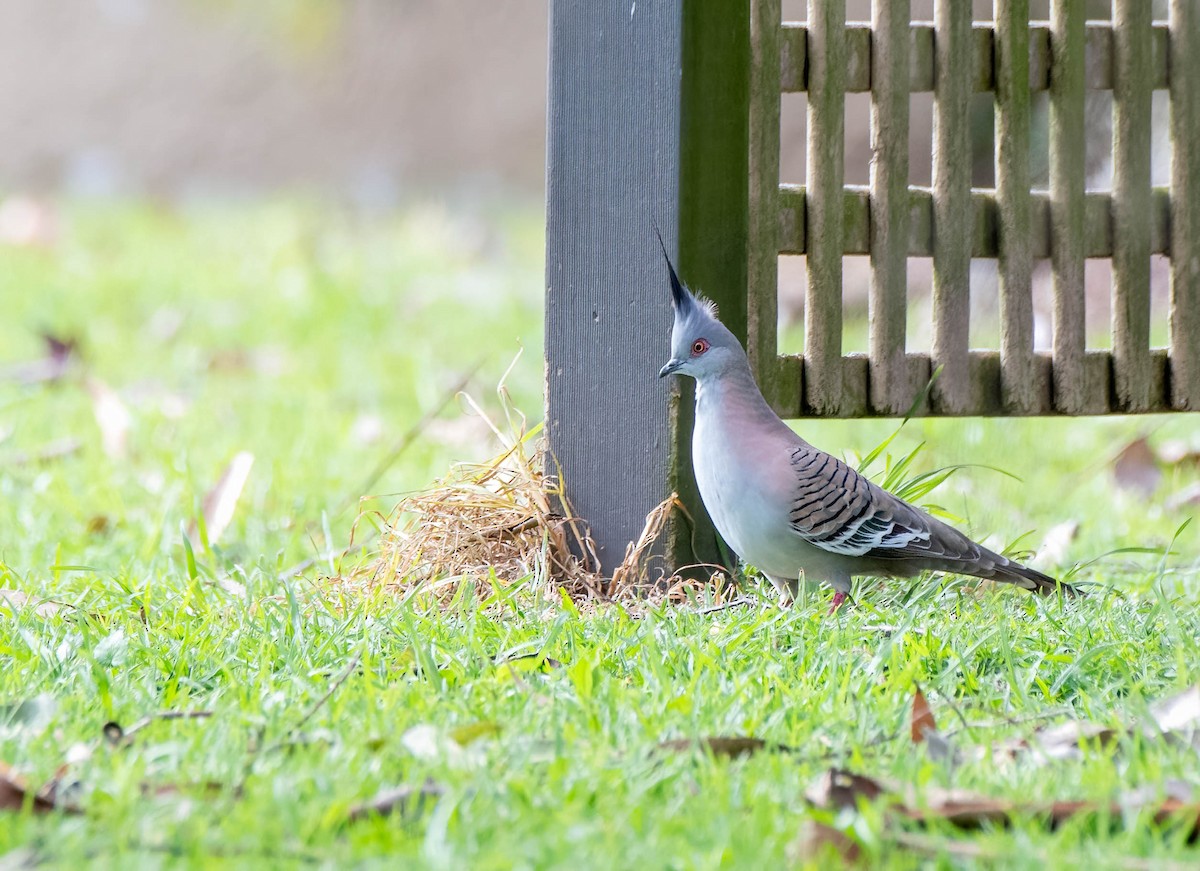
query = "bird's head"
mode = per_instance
[{"x": 701, "y": 346}]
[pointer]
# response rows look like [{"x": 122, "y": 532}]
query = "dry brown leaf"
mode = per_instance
[
  {"x": 923, "y": 730},
  {"x": 818, "y": 842},
  {"x": 112, "y": 417},
  {"x": 1136, "y": 468},
  {"x": 220, "y": 502},
  {"x": 15, "y": 792},
  {"x": 922, "y": 720},
  {"x": 1176, "y": 717},
  {"x": 59, "y": 355},
  {"x": 728, "y": 746},
  {"x": 406, "y": 800},
  {"x": 840, "y": 790}
]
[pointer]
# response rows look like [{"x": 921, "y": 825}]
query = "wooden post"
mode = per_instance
[
  {"x": 646, "y": 124},
  {"x": 1185, "y": 205}
]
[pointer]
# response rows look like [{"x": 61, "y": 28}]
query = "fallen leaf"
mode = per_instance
[
  {"x": 35, "y": 713},
  {"x": 922, "y": 718},
  {"x": 529, "y": 662},
  {"x": 844, "y": 790},
  {"x": 205, "y": 788},
  {"x": 118, "y": 736},
  {"x": 52, "y": 366},
  {"x": 20, "y": 859},
  {"x": 221, "y": 501},
  {"x": 270, "y": 361},
  {"x": 1177, "y": 452},
  {"x": 819, "y": 843},
  {"x": 1065, "y": 740},
  {"x": 405, "y": 800},
  {"x": 1176, "y": 717},
  {"x": 28, "y": 222},
  {"x": 472, "y": 732},
  {"x": 54, "y": 450},
  {"x": 1053, "y": 549},
  {"x": 367, "y": 429},
  {"x": 1185, "y": 498},
  {"x": 14, "y": 793},
  {"x": 430, "y": 744},
  {"x": 1136, "y": 468},
  {"x": 839, "y": 789},
  {"x": 16, "y": 600},
  {"x": 1179, "y": 715},
  {"x": 112, "y": 417},
  {"x": 923, "y": 729},
  {"x": 728, "y": 746},
  {"x": 234, "y": 588}
]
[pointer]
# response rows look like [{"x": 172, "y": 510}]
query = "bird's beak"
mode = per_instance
[{"x": 672, "y": 365}]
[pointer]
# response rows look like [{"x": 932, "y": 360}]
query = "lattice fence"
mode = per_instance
[{"x": 892, "y": 57}]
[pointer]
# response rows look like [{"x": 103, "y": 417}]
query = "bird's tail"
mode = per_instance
[{"x": 1030, "y": 579}]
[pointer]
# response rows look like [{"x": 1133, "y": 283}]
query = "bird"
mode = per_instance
[{"x": 790, "y": 509}]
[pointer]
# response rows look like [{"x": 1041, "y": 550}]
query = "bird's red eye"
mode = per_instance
[{"x": 699, "y": 347}]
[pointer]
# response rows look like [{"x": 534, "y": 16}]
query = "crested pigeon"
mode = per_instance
[{"x": 790, "y": 509}]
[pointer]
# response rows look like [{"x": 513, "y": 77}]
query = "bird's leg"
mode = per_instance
[
  {"x": 787, "y": 589},
  {"x": 838, "y": 599}
]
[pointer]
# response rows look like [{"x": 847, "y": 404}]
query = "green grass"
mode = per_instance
[{"x": 280, "y": 329}]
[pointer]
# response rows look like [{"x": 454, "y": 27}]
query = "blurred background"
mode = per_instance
[
  {"x": 373, "y": 101},
  {"x": 379, "y": 103}
]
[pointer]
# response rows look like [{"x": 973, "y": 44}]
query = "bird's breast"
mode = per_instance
[{"x": 744, "y": 486}]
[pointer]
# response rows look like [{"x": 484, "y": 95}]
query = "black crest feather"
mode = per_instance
[{"x": 680, "y": 298}]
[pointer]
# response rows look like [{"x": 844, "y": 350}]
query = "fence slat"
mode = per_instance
[
  {"x": 763, "y": 237},
  {"x": 890, "y": 387},
  {"x": 1132, "y": 87},
  {"x": 1098, "y": 38},
  {"x": 952, "y": 205},
  {"x": 1017, "y": 374},
  {"x": 983, "y": 221},
  {"x": 1067, "y": 145},
  {"x": 1185, "y": 205},
  {"x": 826, "y": 146}
]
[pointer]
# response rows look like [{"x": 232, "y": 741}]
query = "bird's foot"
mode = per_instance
[{"x": 839, "y": 599}]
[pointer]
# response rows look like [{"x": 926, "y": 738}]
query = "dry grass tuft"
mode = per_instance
[{"x": 498, "y": 524}]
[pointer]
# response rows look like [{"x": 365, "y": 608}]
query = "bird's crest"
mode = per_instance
[{"x": 683, "y": 300}]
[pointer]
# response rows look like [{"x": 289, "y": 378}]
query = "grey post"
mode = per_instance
[{"x": 647, "y": 123}]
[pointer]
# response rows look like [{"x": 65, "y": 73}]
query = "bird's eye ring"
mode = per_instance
[{"x": 699, "y": 347}]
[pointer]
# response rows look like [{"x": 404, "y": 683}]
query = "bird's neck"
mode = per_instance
[{"x": 733, "y": 392}]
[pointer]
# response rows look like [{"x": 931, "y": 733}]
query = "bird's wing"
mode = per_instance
[{"x": 838, "y": 510}]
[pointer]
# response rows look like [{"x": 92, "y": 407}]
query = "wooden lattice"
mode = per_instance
[{"x": 1012, "y": 57}]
